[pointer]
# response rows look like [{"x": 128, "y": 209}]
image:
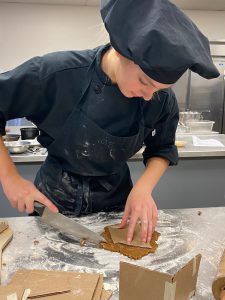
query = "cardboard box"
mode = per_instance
[{"x": 144, "y": 284}]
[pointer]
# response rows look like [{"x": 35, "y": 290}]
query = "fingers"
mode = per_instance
[
  {"x": 125, "y": 217},
  {"x": 146, "y": 228},
  {"x": 29, "y": 207},
  {"x": 21, "y": 206},
  {"x": 154, "y": 218},
  {"x": 13, "y": 204},
  {"x": 27, "y": 202},
  {"x": 131, "y": 227},
  {"x": 152, "y": 223},
  {"x": 150, "y": 231},
  {"x": 148, "y": 223},
  {"x": 22, "y": 194},
  {"x": 39, "y": 197}
]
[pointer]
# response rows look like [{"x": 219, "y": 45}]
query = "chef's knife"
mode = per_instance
[{"x": 67, "y": 225}]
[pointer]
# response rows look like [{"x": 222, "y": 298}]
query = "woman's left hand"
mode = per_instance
[{"x": 140, "y": 206}]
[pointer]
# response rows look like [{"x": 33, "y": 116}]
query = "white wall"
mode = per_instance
[
  {"x": 211, "y": 23},
  {"x": 27, "y": 30}
]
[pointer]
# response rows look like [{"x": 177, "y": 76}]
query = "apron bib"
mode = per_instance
[{"x": 86, "y": 169}]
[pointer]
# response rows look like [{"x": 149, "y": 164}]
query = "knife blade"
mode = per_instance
[{"x": 67, "y": 225}]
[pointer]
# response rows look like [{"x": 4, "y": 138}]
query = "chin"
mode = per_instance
[{"x": 126, "y": 94}]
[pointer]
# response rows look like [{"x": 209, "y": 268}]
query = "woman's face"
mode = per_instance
[{"x": 133, "y": 82}]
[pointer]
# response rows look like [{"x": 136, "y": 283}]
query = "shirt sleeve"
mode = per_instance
[
  {"x": 161, "y": 141},
  {"x": 20, "y": 92}
]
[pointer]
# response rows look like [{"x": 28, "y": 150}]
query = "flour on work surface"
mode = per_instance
[{"x": 184, "y": 233}]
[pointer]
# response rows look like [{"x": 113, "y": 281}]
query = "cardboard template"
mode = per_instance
[
  {"x": 61, "y": 285},
  {"x": 99, "y": 287},
  {"x": 5, "y": 237},
  {"x": 106, "y": 295},
  {"x": 142, "y": 283},
  {"x": 3, "y": 226},
  {"x": 8, "y": 290},
  {"x": 120, "y": 236},
  {"x": 57, "y": 284}
]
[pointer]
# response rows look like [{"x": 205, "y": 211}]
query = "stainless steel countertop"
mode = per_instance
[
  {"x": 193, "y": 151},
  {"x": 189, "y": 151},
  {"x": 184, "y": 233}
]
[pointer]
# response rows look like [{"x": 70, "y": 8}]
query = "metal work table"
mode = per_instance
[
  {"x": 201, "y": 151},
  {"x": 189, "y": 151},
  {"x": 184, "y": 233}
]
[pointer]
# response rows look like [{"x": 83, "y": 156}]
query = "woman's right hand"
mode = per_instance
[{"x": 22, "y": 193}]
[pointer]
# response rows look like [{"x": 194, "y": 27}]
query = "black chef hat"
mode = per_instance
[{"x": 159, "y": 37}]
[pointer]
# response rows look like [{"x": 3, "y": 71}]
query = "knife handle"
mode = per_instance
[{"x": 39, "y": 208}]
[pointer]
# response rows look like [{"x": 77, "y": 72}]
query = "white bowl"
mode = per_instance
[{"x": 17, "y": 147}]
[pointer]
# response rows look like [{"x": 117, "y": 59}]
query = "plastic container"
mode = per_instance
[
  {"x": 188, "y": 116},
  {"x": 200, "y": 126}
]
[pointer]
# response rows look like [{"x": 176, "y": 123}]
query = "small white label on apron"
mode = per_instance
[{"x": 154, "y": 132}]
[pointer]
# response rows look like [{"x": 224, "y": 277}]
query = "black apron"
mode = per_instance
[{"x": 86, "y": 169}]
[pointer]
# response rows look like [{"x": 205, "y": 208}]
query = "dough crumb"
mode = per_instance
[{"x": 82, "y": 242}]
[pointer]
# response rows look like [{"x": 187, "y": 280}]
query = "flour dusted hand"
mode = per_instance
[{"x": 140, "y": 206}]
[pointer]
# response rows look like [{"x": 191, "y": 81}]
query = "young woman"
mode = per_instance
[{"x": 96, "y": 108}]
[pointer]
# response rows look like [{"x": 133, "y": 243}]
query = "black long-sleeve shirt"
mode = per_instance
[{"x": 46, "y": 89}]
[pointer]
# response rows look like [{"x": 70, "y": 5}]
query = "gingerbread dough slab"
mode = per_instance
[{"x": 133, "y": 252}]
